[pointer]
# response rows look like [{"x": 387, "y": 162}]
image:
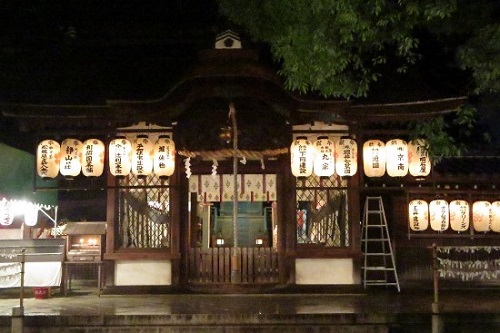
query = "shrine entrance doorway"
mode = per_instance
[{"x": 213, "y": 230}]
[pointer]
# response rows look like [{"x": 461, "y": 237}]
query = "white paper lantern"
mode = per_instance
[
  {"x": 120, "y": 156},
  {"x": 495, "y": 216},
  {"x": 459, "y": 215},
  {"x": 374, "y": 158},
  {"x": 346, "y": 157},
  {"x": 30, "y": 214},
  {"x": 92, "y": 158},
  {"x": 301, "y": 157},
  {"x": 164, "y": 157},
  {"x": 6, "y": 216},
  {"x": 70, "y": 165},
  {"x": 439, "y": 215},
  {"x": 481, "y": 216},
  {"x": 419, "y": 164},
  {"x": 396, "y": 158},
  {"x": 142, "y": 156},
  {"x": 418, "y": 215},
  {"x": 324, "y": 165},
  {"x": 47, "y": 158}
]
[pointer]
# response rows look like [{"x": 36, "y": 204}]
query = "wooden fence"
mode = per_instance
[{"x": 213, "y": 265}]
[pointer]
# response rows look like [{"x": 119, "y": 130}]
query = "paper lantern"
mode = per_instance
[
  {"x": 346, "y": 157},
  {"x": 30, "y": 214},
  {"x": 47, "y": 159},
  {"x": 164, "y": 157},
  {"x": 374, "y": 158},
  {"x": 324, "y": 165},
  {"x": 459, "y": 215},
  {"x": 142, "y": 156},
  {"x": 120, "y": 156},
  {"x": 302, "y": 157},
  {"x": 418, "y": 214},
  {"x": 70, "y": 165},
  {"x": 481, "y": 216},
  {"x": 419, "y": 164},
  {"x": 6, "y": 215},
  {"x": 439, "y": 215},
  {"x": 396, "y": 158},
  {"x": 92, "y": 158},
  {"x": 495, "y": 216}
]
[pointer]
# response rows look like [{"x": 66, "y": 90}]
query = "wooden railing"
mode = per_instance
[{"x": 213, "y": 265}]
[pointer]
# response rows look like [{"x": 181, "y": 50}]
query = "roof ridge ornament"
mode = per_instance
[{"x": 228, "y": 40}]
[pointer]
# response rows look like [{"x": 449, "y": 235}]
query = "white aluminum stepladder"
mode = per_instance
[{"x": 379, "y": 265}]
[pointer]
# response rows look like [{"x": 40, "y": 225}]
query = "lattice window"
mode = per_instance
[
  {"x": 144, "y": 217},
  {"x": 322, "y": 211}
]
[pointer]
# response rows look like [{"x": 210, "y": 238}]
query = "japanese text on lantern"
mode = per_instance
[
  {"x": 401, "y": 158},
  {"x": 347, "y": 158},
  {"x": 302, "y": 158},
  {"x": 68, "y": 158},
  {"x": 119, "y": 152},
  {"x": 140, "y": 158},
  {"x": 164, "y": 152},
  {"x": 325, "y": 153},
  {"x": 89, "y": 165},
  {"x": 46, "y": 154}
]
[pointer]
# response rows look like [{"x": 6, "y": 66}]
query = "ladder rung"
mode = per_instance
[
  {"x": 380, "y": 283},
  {"x": 375, "y": 239},
  {"x": 375, "y": 225},
  {"x": 380, "y": 268},
  {"x": 378, "y": 254},
  {"x": 374, "y": 211}
]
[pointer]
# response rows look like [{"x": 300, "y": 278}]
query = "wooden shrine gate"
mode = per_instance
[{"x": 258, "y": 265}]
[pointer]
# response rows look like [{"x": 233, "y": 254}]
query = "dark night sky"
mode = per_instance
[{"x": 87, "y": 51}]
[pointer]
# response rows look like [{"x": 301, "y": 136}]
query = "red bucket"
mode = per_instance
[{"x": 41, "y": 292}]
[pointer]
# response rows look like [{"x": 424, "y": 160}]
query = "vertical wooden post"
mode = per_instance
[
  {"x": 235, "y": 260},
  {"x": 435, "y": 276},
  {"x": 437, "y": 320},
  {"x": 17, "y": 321}
]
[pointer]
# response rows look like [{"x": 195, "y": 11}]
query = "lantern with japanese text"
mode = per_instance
[
  {"x": 70, "y": 165},
  {"x": 459, "y": 215},
  {"x": 302, "y": 157},
  {"x": 374, "y": 158},
  {"x": 439, "y": 216},
  {"x": 495, "y": 216},
  {"x": 323, "y": 157},
  {"x": 481, "y": 216},
  {"x": 92, "y": 158},
  {"x": 164, "y": 156},
  {"x": 396, "y": 157},
  {"x": 6, "y": 215},
  {"x": 142, "y": 156},
  {"x": 418, "y": 215},
  {"x": 120, "y": 156},
  {"x": 346, "y": 157},
  {"x": 47, "y": 159},
  {"x": 419, "y": 164}
]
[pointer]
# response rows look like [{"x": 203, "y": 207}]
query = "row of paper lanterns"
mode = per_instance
[
  {"x": 442, "y": 215},
  {"x": 11, "y": 208},
  {"x": 141, "y": 157},
  {"x": 324, "y": 157}
]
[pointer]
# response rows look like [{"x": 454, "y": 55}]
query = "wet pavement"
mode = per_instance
[{"x": 371, "y": 302}]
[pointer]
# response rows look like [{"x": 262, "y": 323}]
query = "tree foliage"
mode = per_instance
[
  {"x": 337, "y": 47},
  {"x": 340, "y": 48}
]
